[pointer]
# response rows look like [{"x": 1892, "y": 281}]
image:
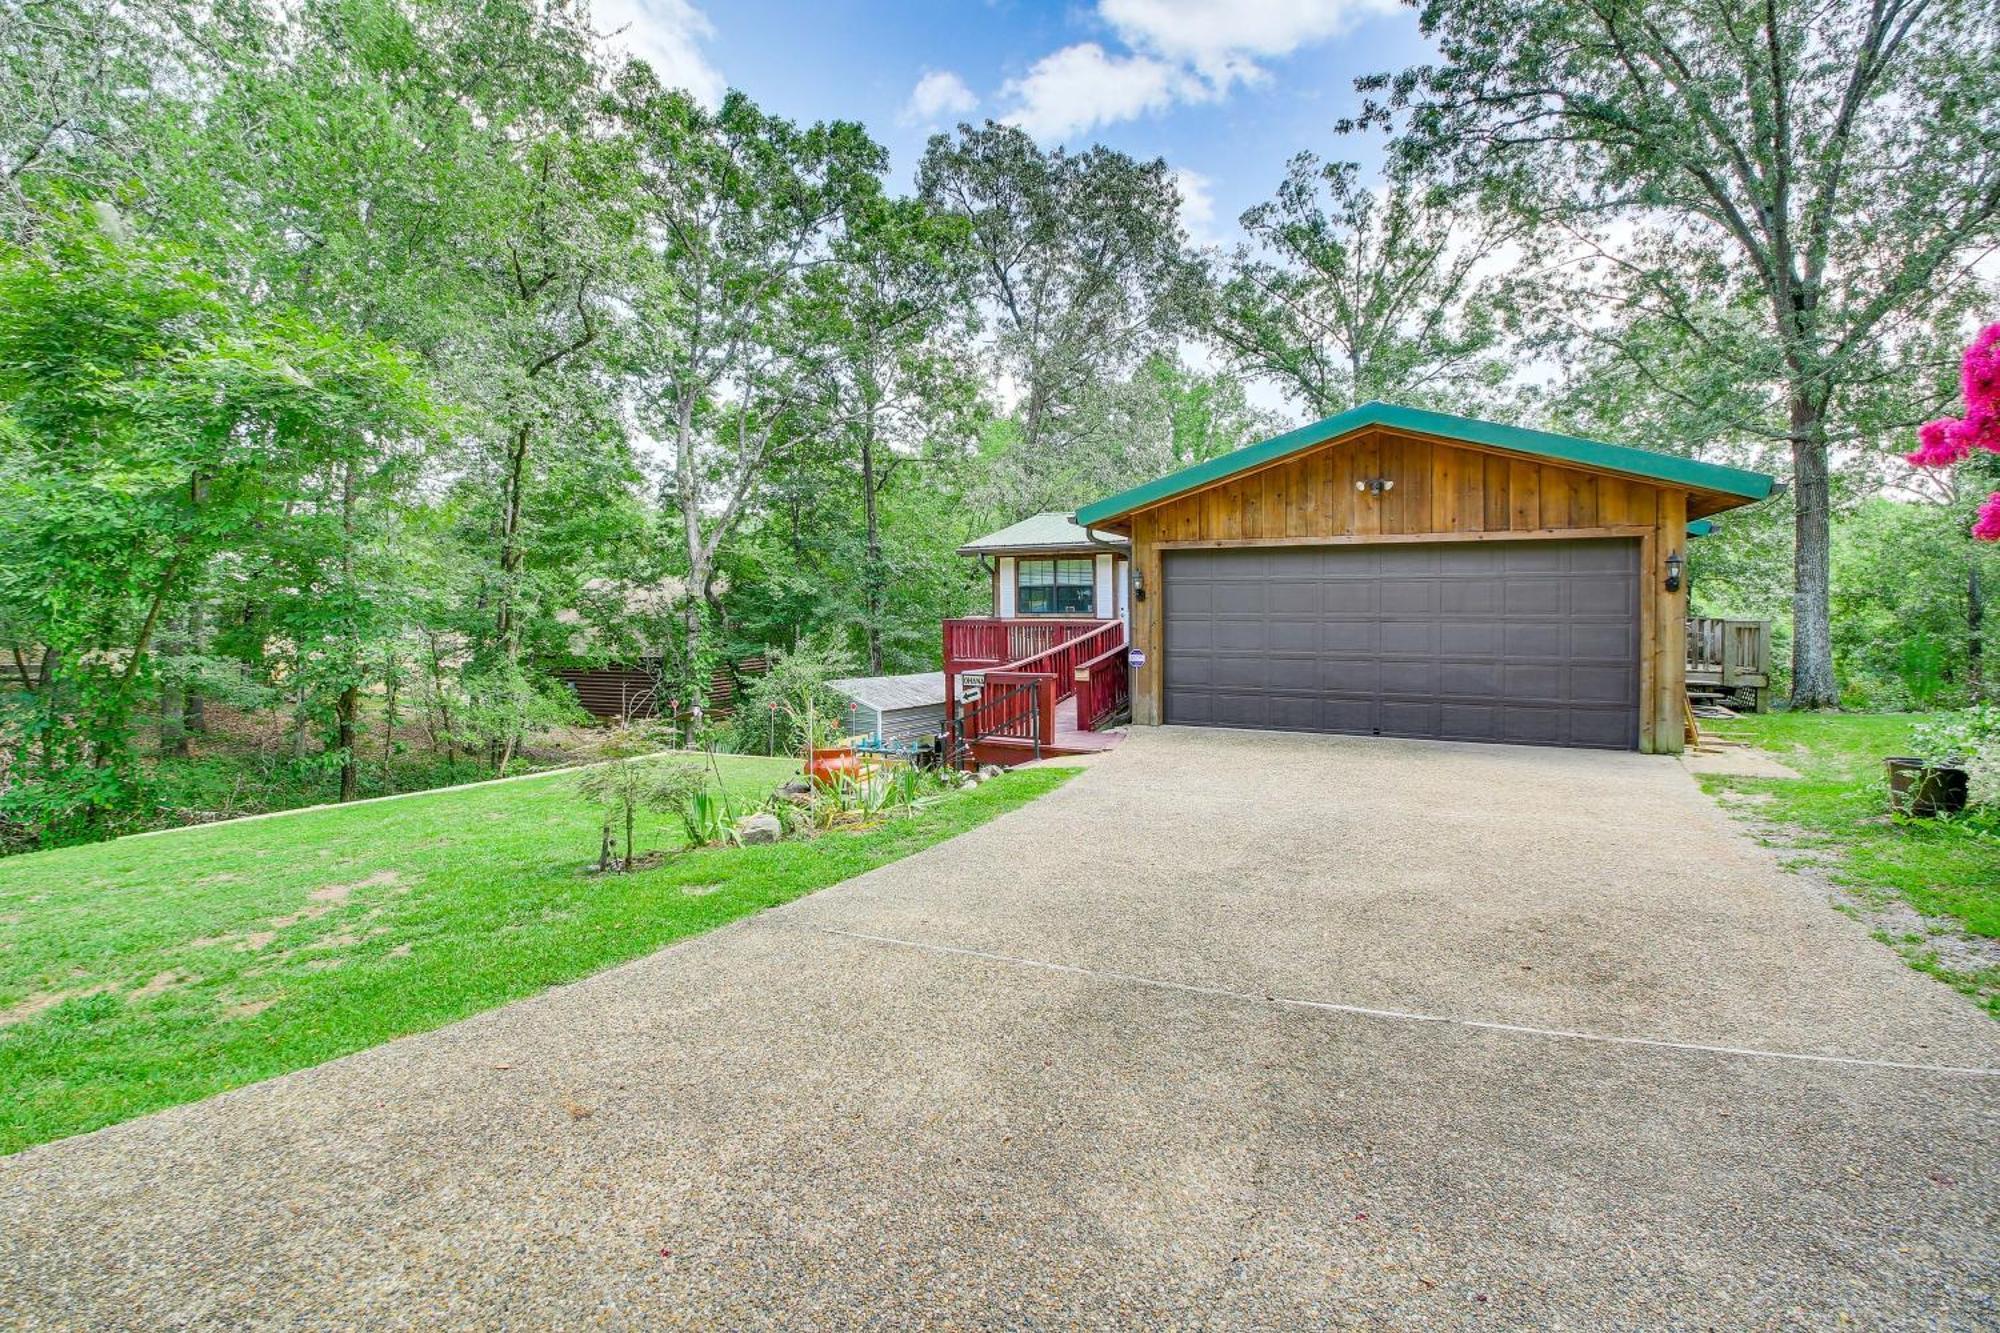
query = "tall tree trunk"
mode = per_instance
[
  {"x": 871, "y": 573},
  {"x": 194, "y": 714},
  {"x": 687, "y": 493},
  {"x": 349, "y": 701},
  {"x": 173, "y": 710},
  {"x": 345, "y": 708},
  {"x": 392, "y": 677},
  {"x": 1813, "y": 685},
  {"x": 506, "y": 626}
]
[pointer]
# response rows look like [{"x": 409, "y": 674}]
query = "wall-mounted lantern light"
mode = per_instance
[
  {"x": 1138, "y": 585},
  {"x": 1674, "y": 563},
  {"x": 1375, "y": 486}
]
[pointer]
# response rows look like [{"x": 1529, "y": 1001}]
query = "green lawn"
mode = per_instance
[
  {"x": 1948, "y": 870},
  {"x": 156, "y": 970}
]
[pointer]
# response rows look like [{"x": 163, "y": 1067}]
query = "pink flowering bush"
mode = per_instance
[{"x": 1951, "y": 440}]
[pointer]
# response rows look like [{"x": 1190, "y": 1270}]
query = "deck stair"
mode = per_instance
[{"x": 1063, "y": 694}]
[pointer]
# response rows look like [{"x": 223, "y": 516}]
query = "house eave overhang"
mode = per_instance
[{"x": 1715, "y": 486}]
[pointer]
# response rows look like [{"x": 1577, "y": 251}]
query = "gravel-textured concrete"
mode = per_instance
[{"x": 777, "y": 1124}]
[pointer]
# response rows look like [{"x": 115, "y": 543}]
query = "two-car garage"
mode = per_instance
[
  {"x": 1534, "y": 642},
  {"x": 1398, "y": 572}
]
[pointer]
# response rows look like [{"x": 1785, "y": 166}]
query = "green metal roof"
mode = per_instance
[
  {"x": 1055, "y": 530},
  {"x": 1701, "y": 527},
  {"x": 1652, "y": 466}
]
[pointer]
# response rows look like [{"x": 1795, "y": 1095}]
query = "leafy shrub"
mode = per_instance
[
  {"x": 778, "y": 708},
  {"x": 1968, "y": 739}
]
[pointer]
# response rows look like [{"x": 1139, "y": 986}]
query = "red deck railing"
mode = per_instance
[
  {"x": 1103, "y": 689},
  {"x": 978, "y": 643},
  {"x": 1019, "y": 696}
]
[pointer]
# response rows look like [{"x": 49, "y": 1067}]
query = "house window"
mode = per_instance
[{"x": 1056, "y": 588}]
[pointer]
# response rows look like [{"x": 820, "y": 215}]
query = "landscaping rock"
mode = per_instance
[
  {"x": 797, "y": 787},
  {"x": 759, "y": 828},
  {"x": 989, "y": 770}
]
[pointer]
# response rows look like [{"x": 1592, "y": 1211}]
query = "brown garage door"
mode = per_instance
[{"x": 1534, "y": 642}]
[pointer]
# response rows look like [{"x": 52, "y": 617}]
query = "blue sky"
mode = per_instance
[{"x": 1224, "y": 90}]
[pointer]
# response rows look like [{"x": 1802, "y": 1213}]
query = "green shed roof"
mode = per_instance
[{"x": 1645, "y": 463}]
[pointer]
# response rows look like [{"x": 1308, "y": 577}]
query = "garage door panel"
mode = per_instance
[
  {"x": 1526, "y": 641},
  {"x": 1403, "y": 717},
  {"x": 1472, "y": 638},
  {"x": 1293, "y": 635},
  {"x": 1525, "y": 725},
  {"x": 1604, "y": 643},
  {"x": 1409, "y": 638},
  {"x": 1237, "y": 671},
  {"x": 1602, "y": 684},
  {"x": 1470, "y": 597},
  {"x": 1415, "y": 675},
  {"x": 1593, "y": 597},
  {"x": 1349, "y": 715},
  {"x": 1300, "y": 598},
  {"x": 1604, "y": 729},
  {"x": 1187, "y": 633},
  {"x": 1547, "y": 639},
  {"x": 1533, "y": 597},
  {"x": 1292, "y": 712},
  {"x": 1350, "y": 675},
  {"x": 1532, "y": 557},
  {"x": 1242, "y": 709},
  {"x": 1239, "y": 634},
  {"x": 1352, "y": 598},
  {"x": 1475, "y": 678},
  {"x": 1408, "y": 597},
  {"x": 1532, "y": 680},
  {"x": 1351, "y": 636}
]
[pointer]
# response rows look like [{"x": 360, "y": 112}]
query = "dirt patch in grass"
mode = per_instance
[
  {"x": 336, "y": 894},
  {"x": 164, "y": 982},
  {"x": 249, "y": 1008},
  {"x": 42, "y": 1001}
]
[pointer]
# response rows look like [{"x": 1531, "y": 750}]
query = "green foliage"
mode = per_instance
[
  {"x": 1968, "y": 739},
  {"x": 447, "y": 904},
  {"x": 1771, "y": 216},
  {"x": 1079, "y": 255},
  {"x": 1947, "y": 869},
  {"x": 792, "y": 706},
  {"x": 1347, "y": 294}
]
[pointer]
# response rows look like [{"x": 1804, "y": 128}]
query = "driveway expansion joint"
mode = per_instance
[{"x": 1410, "y": 1016}]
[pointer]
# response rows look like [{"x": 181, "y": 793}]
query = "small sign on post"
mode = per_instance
[{"x": 1137, "y": 657}]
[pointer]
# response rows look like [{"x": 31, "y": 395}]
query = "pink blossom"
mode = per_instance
[
  {"x": 1940, "y": 443},
  {"x": 1987, "y": 528},
  {"x": 1979, "y": 376},
  {"x": 1949, "y": 440}
]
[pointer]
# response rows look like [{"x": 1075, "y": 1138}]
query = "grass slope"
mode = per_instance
[
  {"x": 1945, "y": 870},
  {"x": 151, "y": 971}
]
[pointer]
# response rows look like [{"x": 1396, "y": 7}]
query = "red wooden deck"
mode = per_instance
[{"x": 1037, "y": 675}]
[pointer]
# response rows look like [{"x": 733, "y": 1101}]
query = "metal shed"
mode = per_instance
[{"x": 900, "y": 709}]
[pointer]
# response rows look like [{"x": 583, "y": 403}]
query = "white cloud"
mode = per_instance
[
  {"x": 1223, "y": 39},
  {"x": 1197, "y": 205},
  {"x": 939, "y": 95},
  {"x": 1178, "y": 51},
  {"x": 668, "y": 35},
  {"x": 1078, "y": 88}
]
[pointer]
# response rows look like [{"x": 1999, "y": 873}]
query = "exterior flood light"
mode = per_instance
[
  {"x": 1375, "y": 486},
  {"x": 1674, "y": 563}
]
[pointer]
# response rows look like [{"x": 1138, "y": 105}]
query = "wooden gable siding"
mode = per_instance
[
  {"x": 1439, "y": 488},
  {"x": 1442, "y": 492}
]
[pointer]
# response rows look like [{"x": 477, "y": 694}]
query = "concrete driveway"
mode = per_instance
[{"x": 1234, "y": 1029}]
